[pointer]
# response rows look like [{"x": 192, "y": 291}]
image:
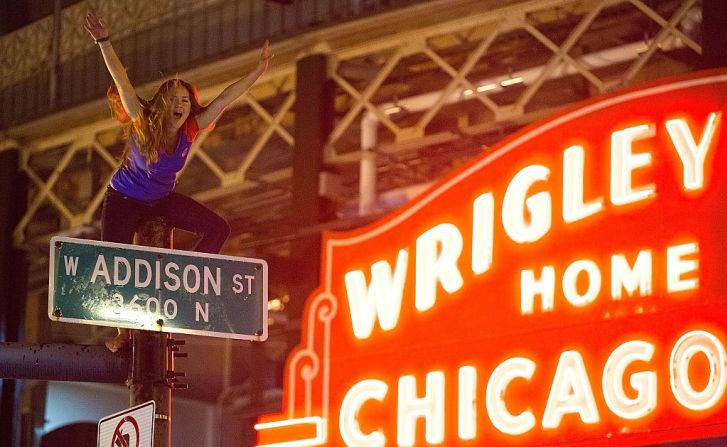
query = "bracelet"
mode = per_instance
[{"x": 103, "y": 39}]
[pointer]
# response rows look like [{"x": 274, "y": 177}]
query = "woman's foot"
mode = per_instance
[{"x": 119, "y": 341}]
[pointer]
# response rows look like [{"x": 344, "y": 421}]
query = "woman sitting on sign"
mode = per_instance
[{"x": 159, "y": 134}]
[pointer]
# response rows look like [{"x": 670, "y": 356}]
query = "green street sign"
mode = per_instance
[{"x": 157, "y": 289}]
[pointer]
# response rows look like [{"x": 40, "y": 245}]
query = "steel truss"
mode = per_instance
[
  {"x": 411, "y": 104},
  {"x": 451, "y": 79}
]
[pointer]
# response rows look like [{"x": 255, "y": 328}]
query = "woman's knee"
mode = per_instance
[
  {"x": 217, "y": 228},
  {"x": 214, "y": 236},
  {"x": 222, "y": 228}
]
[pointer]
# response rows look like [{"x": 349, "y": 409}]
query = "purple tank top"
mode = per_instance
[{"x": 134, "y": 180}]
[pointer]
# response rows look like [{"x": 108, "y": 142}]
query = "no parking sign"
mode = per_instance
[{"x": 133, "y": 427}]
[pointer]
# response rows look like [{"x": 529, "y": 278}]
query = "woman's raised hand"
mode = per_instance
[{"x": 95, "y": 26}]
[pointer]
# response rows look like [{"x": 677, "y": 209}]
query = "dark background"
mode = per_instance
[{"x": 15, "y": 14}]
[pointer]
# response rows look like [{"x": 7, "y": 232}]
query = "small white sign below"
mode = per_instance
[{"x": 133, "y": 427}]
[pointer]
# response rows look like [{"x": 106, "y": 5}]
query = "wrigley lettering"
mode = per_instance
[
  {"x": 563, "y": 288},
  {"x": 527, "y": 218}
]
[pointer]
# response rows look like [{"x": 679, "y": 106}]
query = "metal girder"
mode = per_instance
[
  {"x": 444, "y": 49},
  {"x": 442, "y": 64}
]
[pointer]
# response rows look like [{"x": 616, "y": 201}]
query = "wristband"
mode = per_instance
[{"x": 103, "y": 39}]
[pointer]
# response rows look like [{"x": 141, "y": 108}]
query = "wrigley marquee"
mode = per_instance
[{"x": 567, "y": 287}]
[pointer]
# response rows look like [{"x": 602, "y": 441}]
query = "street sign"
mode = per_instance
[
  {"x": 158, "y": 289},
  {"x": 133, "y": 427}
]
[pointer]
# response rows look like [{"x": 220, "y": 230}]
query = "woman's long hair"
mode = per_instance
[{"x": 149, "y": 129}]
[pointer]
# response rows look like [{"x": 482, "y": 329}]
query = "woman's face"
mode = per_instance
[{"x": 179, "y": 105}]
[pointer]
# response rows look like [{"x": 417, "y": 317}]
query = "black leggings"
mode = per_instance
[{"x": 121, "y": 215}]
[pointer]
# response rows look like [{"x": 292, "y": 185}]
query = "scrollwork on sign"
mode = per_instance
[{"x": 316, "y": 349}]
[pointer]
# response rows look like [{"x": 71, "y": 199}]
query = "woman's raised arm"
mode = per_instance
[
  {"x": 97, "y": 29},
  {"x": 233, "y": 91}
]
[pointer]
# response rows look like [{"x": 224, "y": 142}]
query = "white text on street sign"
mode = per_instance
[{"x": 135, "y": 287}]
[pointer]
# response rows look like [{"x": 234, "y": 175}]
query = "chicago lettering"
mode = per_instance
[{"x": 629, "y": 383}]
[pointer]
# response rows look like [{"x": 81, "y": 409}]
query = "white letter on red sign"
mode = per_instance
[
  {"x": 529, "y": 287},
  {"x": 501, "y": 377},
  {"x": 517, "y": 226},
  {"x": 382, "y": 298},
  {"x": 570, "y": 278},
  {"x": 573, "y": 206},
  {"x": 625, "y": 277},
  {"x": 570, "y": 393},
  {"x": 676, "y": 267},
  {"x": 467, "y": 403},
  {"x": 432, "y": 268},
  {"x": 430, "y": 407},
  {"x": 692, "y": 154},
  {"x": 643, "y": 382},
  {"x": 624, "y": 162},
  {"x": 686, "y": 347},
  {"x": 483, "y": 222},
  {"x": 348, "y": 419}
]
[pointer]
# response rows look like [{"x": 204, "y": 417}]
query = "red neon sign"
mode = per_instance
[{"x": 565, "y": 288}]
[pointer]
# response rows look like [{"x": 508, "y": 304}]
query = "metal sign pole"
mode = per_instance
[
  {"x": 153, "y": 375},
  {"x": 126, "y": 286},
  {"x": 153, "y": 378},
  {"x": 133, "y": 288}
]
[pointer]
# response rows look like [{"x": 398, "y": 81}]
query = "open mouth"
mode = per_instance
[{"x": 177, "y": 115}]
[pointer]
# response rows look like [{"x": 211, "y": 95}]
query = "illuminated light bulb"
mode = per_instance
[
  {"x": 624, "y": 162},
  {"x": 685, "y": 349},
  {"x": 468, "y": 92},
  {"x": 676, "y": 267},
  {"x": 644, "y": 382},
  {"x": 638, "y": 277},
  {"x": 392, "y": 110},
  {"x": 545, "y": 287},
  {"x": 570, "y": 278},
  {"x": 438, "y": 250},
  {"x": 690, "y": 153},
  {"x": 430, "y": 407},
  {"x": 512, "y": 81},
  {"x": 275, "y": 305},
  {"x": 486, "y": 88},
  {"x": 382, "y": 298},
  {"x": 349, "y": 427},
  {"x": 502, "y": 419},
  {"x": 570, "y": 393},
  {"x": 574, "y": 208},
  {"x": 517, "y": 226}
]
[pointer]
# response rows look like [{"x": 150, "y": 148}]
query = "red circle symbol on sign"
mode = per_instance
[{"x": 126, "y": 433}]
